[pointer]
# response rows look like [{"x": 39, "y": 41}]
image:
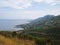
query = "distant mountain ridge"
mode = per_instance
[
  {"x": 48, "y": 24},
  {"x": 43, "y": 18},
  {"x": 46, "y": 20}
]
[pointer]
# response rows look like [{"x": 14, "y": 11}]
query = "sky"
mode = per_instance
[{"x": 28, "y": 9}]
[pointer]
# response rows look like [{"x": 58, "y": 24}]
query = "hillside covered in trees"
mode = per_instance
[
  {"x": 44, "y": 23},
  {"x": 47, "y": 27}
]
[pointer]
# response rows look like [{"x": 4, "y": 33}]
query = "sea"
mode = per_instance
[{"x": 9, "y": 24}]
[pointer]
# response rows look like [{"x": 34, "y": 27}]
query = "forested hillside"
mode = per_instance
[
  {"x": 40, "y": 24},
  {"x": 47, "y": 27}
]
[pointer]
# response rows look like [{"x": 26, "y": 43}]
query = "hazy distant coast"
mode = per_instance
[{"x": 9, "y": 24}]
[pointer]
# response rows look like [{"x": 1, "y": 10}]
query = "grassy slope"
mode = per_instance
[{"x": 12, "y": 41}]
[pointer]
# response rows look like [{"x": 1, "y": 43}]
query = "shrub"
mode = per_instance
[
  {"x": 39, "y": 41},
  {"x": 14, "y": 34}
]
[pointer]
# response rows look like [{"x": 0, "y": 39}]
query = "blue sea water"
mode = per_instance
[{"x": 9, "y": 24}]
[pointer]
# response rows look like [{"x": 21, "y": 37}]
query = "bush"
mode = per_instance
[
  {"x": 39, "y": 41},
  {"x": 14, "y": 34}
]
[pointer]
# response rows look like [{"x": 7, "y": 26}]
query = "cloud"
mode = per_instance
[
  {"x": 21, "y": 4},
  {"x": 37, "y": 0},
  {"x": 52, "y": 2}
]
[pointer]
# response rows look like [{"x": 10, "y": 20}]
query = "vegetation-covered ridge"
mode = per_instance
[{"x": 47, "y": 27}]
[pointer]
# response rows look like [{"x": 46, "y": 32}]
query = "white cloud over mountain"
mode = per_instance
[{"x": 21, "y": 4}]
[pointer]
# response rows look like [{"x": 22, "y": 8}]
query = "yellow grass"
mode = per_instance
[{"x": 12, "y": 41}]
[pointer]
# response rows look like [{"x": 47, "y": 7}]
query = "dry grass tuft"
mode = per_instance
[{"x": 12, "y": 41}]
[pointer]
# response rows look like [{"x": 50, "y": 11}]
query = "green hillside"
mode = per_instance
[
  {"x": 47, "y": 27},
  {"x": 41, "y": 24}
]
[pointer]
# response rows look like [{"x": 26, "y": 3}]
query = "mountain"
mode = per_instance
[
  {"x": 47, "y": 26},
  {"x": 43, "y": 18},
  {"x": 47, "y": 21}
]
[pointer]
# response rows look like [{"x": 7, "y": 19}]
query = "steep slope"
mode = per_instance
[
  {"x": 47, "y": 26},
  {"x": 46, "y": 21}
]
